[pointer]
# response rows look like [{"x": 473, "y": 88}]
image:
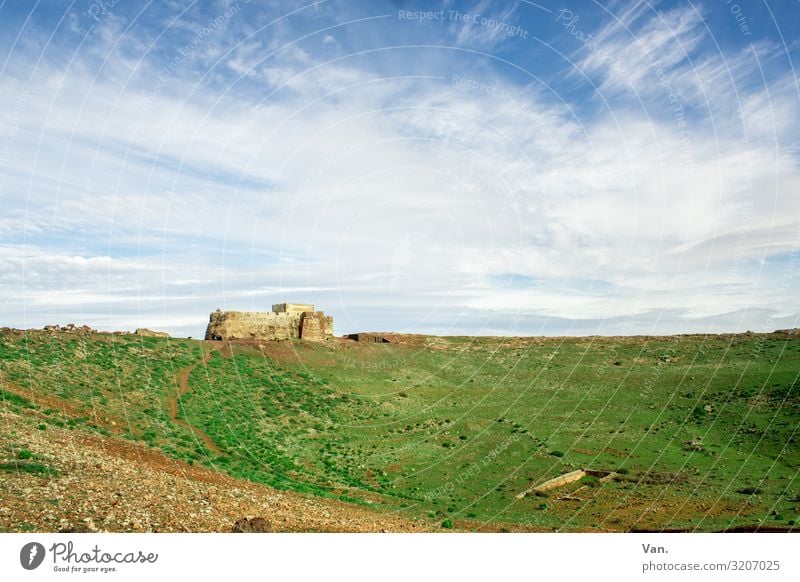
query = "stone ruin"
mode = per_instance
[
  {"x": 70, "y": 328},
  {"x": 144, "y": 332},
  {"x": 368, "y": 338},
  {"x": 285, "y": 321}
]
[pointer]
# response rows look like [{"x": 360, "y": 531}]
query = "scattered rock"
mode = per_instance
[
  {"x": 69, "y": 328},
  {"x": 693, "y": 445},
  {"x": 106, "y": 483}
]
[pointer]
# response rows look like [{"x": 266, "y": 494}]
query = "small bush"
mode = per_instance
[
  {"x": 447, "y": 524},
  {"x": 749, "y": 491},
  {"x": 12, "y": 398},
  {"x": 558, "y": 454},
  {"x": 27, "y": 467},
  {"x": 24, "y": 454}
]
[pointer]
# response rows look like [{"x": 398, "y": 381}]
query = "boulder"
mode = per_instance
[
  {"x": 252, "y": 525},
  {"x": 144, "y": 332}
]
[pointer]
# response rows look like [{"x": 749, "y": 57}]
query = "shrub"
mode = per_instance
[
  {"x": 447, "y": 524},
  {"x": 28, "y": 467},
  {"x": 24, "y": 454},
  {"x": 12, "y": 398},
  {"x": 557, "y": 453},
  {"x": 749, "y": 491}
]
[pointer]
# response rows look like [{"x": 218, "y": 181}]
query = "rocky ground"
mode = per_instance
[{"x": 71, "y": 480}]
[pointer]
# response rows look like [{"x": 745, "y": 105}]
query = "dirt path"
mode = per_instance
[{"x": 183, "y": 387}]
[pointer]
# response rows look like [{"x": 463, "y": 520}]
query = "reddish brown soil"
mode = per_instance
[
  {"x": 183, "y": 387},
  {"x": 111, "y": 484}
]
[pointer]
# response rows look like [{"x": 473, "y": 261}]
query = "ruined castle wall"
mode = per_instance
[
  {"x": 369, "y": 338},
  {"x": 292, "y": 307},
  {"x": 253, "y": 325},
  {"x": 311, "y": 328},
  {"x": 316, "y": 326},
  {"x": 310, "y": 325}
]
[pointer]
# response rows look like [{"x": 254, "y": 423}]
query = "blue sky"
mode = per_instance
[{"x": 439, "y": 167}]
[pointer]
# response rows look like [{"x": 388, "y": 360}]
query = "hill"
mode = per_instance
[{"x": 670, "y": 433}]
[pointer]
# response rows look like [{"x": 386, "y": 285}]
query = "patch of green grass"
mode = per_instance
[
  {"x": 32, "y": 467},
  {"x": 14, "y": 399},
  {"x": 460, "y": 423}
]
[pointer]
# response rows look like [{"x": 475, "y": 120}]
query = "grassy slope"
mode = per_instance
[{"x": 703, "y": 429}]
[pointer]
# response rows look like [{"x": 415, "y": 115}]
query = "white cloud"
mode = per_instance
[{"x": 419, "y": 195}]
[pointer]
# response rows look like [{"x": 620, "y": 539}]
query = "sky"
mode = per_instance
[{"x": 483, "y": 168}]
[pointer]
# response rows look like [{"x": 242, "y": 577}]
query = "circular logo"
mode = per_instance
[{"x": 31, "y": 555}]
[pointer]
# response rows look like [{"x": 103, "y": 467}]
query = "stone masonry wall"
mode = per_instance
[
  {"x": 310, "y": 325},
  {"x": 316, "y": 326},
  {"x": 253, "y": 325}
]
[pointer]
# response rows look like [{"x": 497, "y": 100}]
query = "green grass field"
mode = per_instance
[{"x": 701, "y": 431}]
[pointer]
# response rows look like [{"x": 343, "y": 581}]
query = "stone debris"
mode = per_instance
[{"x": 70, "y": 328}]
